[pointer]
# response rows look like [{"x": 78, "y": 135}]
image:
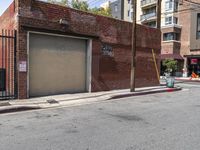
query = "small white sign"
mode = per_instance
[{"x": 22, "y": 66}]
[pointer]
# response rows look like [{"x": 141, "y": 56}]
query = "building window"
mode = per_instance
[
  {"x": 171, "y": 5},
  {"x": 151, "y": 24},
  {"x": 176, "y": 6},
  {"x": 150, "y": 10},
  {"x": 198, "y": 26},
  {"x": 128, "y": 13},
  {"x": 171, "y": 20},
  {"x": 170, "y": 36},
  {"x": 168, "y": 20},
  {"x": 131, "y": 15},
  {"x": 175, "y": 20},
  {"x": 116, "y": 8}
]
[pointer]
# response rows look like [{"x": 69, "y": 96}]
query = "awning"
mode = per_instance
[
  {"x": 171, "y": 56},
  {"x": 192, "y": 56}
]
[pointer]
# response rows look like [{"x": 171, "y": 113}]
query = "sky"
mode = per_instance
[
  {"x": 97, "y": 3},
  {"x": 4, "y": 5}
]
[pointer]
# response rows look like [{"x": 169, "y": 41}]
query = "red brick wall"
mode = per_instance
[
  {"x": 114, "y": 72},
  {"x": 108, "y": 72},
  {"x": 7, "y": 19}
]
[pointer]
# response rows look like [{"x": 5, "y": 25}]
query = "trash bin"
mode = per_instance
[{"x": 170, "y": 82}]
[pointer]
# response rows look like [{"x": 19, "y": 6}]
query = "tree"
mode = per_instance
[
  {"x": 102, "y": 11},
  {"x": 61, "y": 2},
  {"x": 83, "y": 6},
  {"x": 80, "y": 5},
  {"x": 170, "y": 65}
]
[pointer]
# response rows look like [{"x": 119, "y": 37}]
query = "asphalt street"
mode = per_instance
[{"x": 165, "y": 121}]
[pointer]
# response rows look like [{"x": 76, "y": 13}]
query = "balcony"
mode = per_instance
[
  {"x": 147, "y": 17},
  {"x": 147, "y": 3},
  {"x": 171, "y": 28}
]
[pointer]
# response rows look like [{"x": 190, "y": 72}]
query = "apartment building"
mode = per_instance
[
  {"x": 189, "y": 19},
  {"x": 180, "y": 25},
  {"x": 122, "y": 9},
  {"x": 180, "y": 22}
]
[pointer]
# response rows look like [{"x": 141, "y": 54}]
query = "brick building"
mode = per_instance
[
  {"x": 63, "y": 50},
  {"x": 180, "y": 23}
]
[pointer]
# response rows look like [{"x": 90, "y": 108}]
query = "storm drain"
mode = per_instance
[
  {"x": 52, "y": 101},
  {"x": 5, "y": 104}
]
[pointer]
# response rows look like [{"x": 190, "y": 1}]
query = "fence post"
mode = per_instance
[{"x": 15, "y": 65}]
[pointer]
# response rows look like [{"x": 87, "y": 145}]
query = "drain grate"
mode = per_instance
[
  {"x": 52, "y": 101},
  {"x": 5, "y": 104}
]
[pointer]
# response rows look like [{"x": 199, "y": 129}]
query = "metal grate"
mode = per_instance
[{"x": 8, "y": 82}]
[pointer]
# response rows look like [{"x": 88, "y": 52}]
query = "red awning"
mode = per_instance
[{"x": 171, "y": 56}]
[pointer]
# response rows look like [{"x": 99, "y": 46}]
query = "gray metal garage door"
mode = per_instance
[{"x": 57, "y": 65}]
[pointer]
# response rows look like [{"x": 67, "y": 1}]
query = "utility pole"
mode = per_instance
[
  {"x": 158, "y": 11},
  {"x": 133, "y": 61}
]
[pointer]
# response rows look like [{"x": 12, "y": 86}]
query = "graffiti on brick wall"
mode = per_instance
[{"x": 107, "y": 50}]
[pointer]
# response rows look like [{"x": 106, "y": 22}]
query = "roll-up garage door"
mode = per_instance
[{"x": 57, "y": 65}]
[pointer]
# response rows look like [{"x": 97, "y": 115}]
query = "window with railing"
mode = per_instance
[
  {"x": 145, "y": 2},
  {"x": 148, "y": 13}
]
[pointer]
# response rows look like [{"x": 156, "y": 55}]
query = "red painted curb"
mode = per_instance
[{"x": 170, "y": 90}]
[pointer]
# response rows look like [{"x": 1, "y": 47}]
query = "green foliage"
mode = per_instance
[
  {"x": 170, "y": 65},
  {"x": 102, "y": 11},
  {"x": 61, "y": 2},
  {"x": 83, "y": 6},
  {"x": 80, "y": 5}
]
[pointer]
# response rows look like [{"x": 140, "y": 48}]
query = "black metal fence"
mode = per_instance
[{"x": 8, "y": 82}]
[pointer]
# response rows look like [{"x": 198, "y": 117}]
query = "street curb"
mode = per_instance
[
  {"x": 187, "y": 80},
  {"x": 12, "y": 109},
  {"x": 146, "y": 93},
  {"x": 104, "y": 97}
]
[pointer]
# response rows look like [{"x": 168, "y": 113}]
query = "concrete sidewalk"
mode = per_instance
[{"x": 76, "y": 99}]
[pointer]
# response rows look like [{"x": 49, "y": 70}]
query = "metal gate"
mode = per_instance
[{"x": 8, "y": 84}]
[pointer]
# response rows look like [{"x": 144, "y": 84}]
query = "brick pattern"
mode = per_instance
[
  {"x": 108, "y": 72},
  {"x": 7, "y": 19},
  {"x": 171, "y": 47},
  {"x": 185, "y": 19},
  {"x": 114, "y": 72}
]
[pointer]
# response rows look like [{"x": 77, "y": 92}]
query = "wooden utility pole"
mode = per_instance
[
  {"x": 158, "y": 11},
  {"x": 133, "y": 61}
]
